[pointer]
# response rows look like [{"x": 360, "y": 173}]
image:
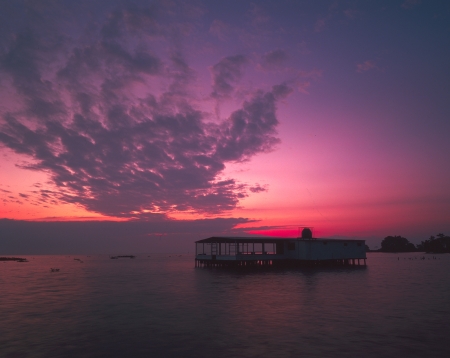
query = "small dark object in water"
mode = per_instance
[
  {"x": 18, "y": 259},
  {"x": 123, "y": 256},
  {"x": 54, "y": 270}
]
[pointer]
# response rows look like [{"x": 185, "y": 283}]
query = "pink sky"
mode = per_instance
[{"x": 333, "y": 115}]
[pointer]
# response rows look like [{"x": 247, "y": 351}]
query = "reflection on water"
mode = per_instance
[{"x": 163, "y": 306}]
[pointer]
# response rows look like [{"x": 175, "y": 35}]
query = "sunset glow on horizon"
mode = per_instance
[{"x": 269, "y": 115}]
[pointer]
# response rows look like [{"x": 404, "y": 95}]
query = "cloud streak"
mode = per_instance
[{"x": 366, "y": 66}]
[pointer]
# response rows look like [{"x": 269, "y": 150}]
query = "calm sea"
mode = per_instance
[{"x": 162, "y": 306}]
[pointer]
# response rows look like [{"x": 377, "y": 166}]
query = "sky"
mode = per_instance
[{"x": 146, "y": 125}]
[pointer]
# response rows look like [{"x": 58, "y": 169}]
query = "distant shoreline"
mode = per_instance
[{"x": 406, "y": 252}]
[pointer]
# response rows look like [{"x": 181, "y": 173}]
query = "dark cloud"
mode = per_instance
[
  {"x": 122, "y": 154},
  {"x": 274, "y": 59},
  {"x": 166, "y": 162},
  {"x": 258, "y": 188},
  {"x": 249, "y": 130},
  {"x": 282, "y": 91},
  {"x": 132, "y": 19},
  {"x": 226, "y": 74},
  {"x": 22, "y": 61}
]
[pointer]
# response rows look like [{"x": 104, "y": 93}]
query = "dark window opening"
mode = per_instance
[
  {"x": 280, "y": 248},
  {"x": 291, "y": 246}
]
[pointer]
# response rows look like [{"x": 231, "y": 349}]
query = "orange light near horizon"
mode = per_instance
[{"x": 61, "y": 212}]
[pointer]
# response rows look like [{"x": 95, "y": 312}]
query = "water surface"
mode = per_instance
[{"x": 162, "y": 306}]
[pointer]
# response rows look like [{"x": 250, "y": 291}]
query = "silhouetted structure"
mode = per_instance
[
  {"x": 307, "y": 233},
  {"x": 254, "y": 251}
]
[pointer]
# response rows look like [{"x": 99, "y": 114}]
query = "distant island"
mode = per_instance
[{"x": 438, "y": 244}]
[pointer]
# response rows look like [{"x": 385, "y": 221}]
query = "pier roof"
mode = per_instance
[
  {"x": 226, "y": 239},
  {"x": 261, "y": 239}
]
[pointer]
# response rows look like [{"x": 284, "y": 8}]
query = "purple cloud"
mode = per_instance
[
  {"x": 274, "y": 59},
  {"x": 258, "y": 188},
  {"x": 225, "y": 74},
  {"x": 123, "y": 152},
  {"x": 366, "y": 66}
]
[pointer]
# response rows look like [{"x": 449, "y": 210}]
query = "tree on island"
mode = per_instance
[
  {"x": 439, "y": 244},
  {"x": 396, "y": 244}
]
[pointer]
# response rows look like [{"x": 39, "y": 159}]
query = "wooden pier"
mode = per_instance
[{"x": 278, "y": 263}]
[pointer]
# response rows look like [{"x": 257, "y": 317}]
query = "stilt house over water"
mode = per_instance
[{"x": 254, "y": 251}]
